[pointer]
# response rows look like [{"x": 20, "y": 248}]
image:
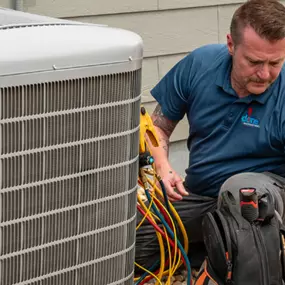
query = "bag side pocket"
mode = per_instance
[{"x": 215, "y": 246}]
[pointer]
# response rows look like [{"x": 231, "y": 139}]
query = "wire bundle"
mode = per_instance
[
  {"x": 160, "y": 213},
  {"x": 166, "y": 222}
]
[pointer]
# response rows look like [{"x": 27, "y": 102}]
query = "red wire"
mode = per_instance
[
  {"x": 157, "y": 228},
  {"x": 166, "y": 217},
  {"x": 169, "y": 223},
  {"x": 163, "y": 234}
]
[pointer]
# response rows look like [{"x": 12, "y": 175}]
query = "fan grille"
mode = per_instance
[{"x": 68, "y": 181}]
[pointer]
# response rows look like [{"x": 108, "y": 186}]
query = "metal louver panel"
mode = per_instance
[{"x": 68, "y": 181}]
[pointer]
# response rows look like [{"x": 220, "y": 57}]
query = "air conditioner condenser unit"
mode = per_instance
[{"x": 69, "y": 132}]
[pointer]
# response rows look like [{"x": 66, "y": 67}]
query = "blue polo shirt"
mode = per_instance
[{"x": 227, "y": 134}]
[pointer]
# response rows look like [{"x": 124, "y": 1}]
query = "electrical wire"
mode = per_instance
[
  {"x": 171, "y": 208},
  {"x": 159, "y": 237},
  {"x": 169, "y": 259},
  {"x": 169, "y": 219},
  {"x": 141, "y": 279},
  {"x": 150, "y": 273},
  {"x": 165, "y": 213},
  {"x": 159, "y": 230},
  {"x": 177, "y": 217},
  {"x": 144, "y": 217},
  {"x": 161, "y": 215},
  {"x": 165, "y": 195},
  {"x": 184, "y": 254}
]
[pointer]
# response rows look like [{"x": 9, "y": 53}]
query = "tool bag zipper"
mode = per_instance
[
  {"x": 262, "y": 254},
  {"x": 228, "y": 249}
]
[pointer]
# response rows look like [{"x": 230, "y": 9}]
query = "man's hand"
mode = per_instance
[
  {"x": 173, "y": 185},
  {"x": 172, "y": 181}
]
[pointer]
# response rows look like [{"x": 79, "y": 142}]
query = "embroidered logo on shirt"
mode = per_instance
[{"x": 249, "y": 120}]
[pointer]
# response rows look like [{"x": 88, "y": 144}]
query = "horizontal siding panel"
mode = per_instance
[
  {"x": 174, "y": 4},
  {"x": 154, "y": 68},
  {"x": 146, "y": 96},
  {"x": 181, "y": 131},
  {"x": 165, "y": 63},
  {"x": 149, "y": 77},
  {"x": 167, "y": 32},
  {"x": 225, "y": 16},
  {"x": 6, "y": 4},
  {"x": 75, "y": 8}
]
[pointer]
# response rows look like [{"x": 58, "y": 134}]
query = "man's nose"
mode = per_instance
[{"x": 263, "y": 73}]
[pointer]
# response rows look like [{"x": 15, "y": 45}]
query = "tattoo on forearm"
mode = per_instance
[
  {"x": 160, "y": 121},
  {"x": 164, "y": 143}
]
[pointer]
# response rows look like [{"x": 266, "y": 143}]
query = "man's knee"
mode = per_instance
[{"x": 262, "y": 182}]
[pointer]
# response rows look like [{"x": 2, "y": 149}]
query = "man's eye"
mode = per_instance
[{"x": 253, "y": 62}]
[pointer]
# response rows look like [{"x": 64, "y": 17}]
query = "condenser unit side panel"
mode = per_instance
[{"x": 69, "y": 135}]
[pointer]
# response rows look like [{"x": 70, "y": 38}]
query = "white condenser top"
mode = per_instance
[{"x": 35, "y": 44}]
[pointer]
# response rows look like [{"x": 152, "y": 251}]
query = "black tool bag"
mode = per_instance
[{"x": 243, "y": 251}]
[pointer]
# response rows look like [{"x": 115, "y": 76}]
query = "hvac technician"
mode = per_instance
[{"x": 234, "y": 98}]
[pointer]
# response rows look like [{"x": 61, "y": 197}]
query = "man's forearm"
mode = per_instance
[
  {"x": 161, "y": 152},
  {"x": 164, "y": 128},
  {"x": 172, "y": 181}
]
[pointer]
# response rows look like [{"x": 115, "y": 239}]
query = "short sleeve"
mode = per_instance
[{"x": 173, "y": 90}]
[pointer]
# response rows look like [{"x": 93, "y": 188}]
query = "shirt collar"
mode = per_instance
[{"x": 223, "y": 81}]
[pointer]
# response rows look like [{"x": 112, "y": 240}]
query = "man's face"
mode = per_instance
[{"x": 256, "y": 62}]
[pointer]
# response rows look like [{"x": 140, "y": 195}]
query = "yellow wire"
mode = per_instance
[
  {"x": 146, "y": 214},
  {"x": 175, "y": 266},
  {"x": 172, "y": 267},
  {"x": 160, "y": 241},
  {"x": 151, "y": 214},
  {"x": 175, "y": 236},
  {"x": 177, "y": 217},
  {"x": 185, "y": 236},
  {"x": 150, "y": 273},
  {"x": 167, "y": 241},
  {"x": 178, "y": 262},
  {"x": 170, "y": 258}
]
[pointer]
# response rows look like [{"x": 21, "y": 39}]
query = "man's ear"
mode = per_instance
[{"x": 230, "y": 44}]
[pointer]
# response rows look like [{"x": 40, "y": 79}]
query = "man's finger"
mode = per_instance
[
  {"x": 171, "y": 199},
  {"x": 180, "y": 188},
  {"x": 173, "y": 195}
]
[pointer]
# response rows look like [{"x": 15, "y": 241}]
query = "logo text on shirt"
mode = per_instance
[{"x": 249, "y": 120}]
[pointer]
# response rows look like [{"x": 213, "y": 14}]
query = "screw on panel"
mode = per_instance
[
  {"x": 130, "y": 58},
  {"x": 143, "y": 110},
  {"x": 54, "y": 67}
]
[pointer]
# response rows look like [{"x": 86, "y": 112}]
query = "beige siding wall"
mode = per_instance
[{"x": 6, "y": 4}]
